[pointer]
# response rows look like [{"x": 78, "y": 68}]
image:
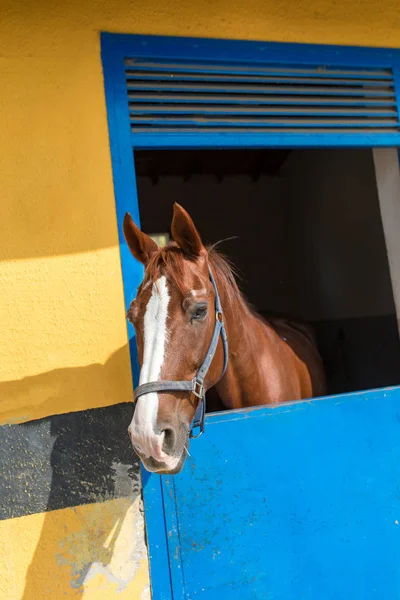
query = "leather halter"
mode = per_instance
[{"x": 196, "y": 385}]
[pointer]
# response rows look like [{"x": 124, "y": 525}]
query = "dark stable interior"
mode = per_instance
[{"x": 308, "y": 241}]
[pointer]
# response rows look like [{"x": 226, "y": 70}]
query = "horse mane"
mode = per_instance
[{"x": 170, "y": 259}]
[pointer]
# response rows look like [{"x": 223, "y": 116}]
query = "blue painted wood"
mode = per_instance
[
  {"x": 318, "y": 480},
  {"x": 396, "y": 79},
  {"x": 123, "y": 174},
  {"x": 170, "y": 47},
  {"x": 143, "y": 66},
  {"x": 187, "y": 99},
  {"x": 157, "y": 547},
  {"x": 221, "y": 99},
  {"x": 177, "y": 86},
  {"x": 155, "y": 76},
  {"x": 149, "y": 52},
  {"x": 207, "y": 73},
  {"x": 254, "y": 123},
  {"x": 297, "y": 501},
  {"x": 132, "y": 273},
  {"x": 165, "y": 109},
  {"x": 262, "y": 139}
]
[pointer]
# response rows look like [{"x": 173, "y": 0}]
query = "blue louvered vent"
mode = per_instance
[{"x": 182, "y": 96}]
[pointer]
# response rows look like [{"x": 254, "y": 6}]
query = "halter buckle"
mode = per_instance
[{"x": 197, "y": 389}]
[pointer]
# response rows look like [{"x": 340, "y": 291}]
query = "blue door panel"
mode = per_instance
[{"x": 298, "y": 501}]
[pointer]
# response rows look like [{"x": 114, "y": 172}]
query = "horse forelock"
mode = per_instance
[
  {"x": 170, "y": 262},
  {"x": 167, "y": 261}
]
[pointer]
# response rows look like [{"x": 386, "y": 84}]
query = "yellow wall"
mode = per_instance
[
  {"x": 61, "y": 306},
  {"x": 63, "y": 343},
  {"x": 98, "y": 536}
]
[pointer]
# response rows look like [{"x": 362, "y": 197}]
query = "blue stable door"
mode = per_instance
[
  {"x": 298, "y": 502},
  {"x": 301, "y": 501}
]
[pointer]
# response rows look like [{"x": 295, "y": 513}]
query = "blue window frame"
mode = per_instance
[{"x": 377, "y": 71}]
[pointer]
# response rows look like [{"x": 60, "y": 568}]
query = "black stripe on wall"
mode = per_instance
[{"x": 67, "y": 460}]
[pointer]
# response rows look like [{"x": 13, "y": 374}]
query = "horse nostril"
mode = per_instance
[{"x": 169, "y": 439}]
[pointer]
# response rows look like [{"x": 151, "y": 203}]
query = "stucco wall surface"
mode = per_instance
[{"x": 63, "y": 342}]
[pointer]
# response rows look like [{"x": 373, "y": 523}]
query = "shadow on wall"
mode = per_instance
[
  {"x": 75, "y": 475},
  {"x": 90, "y": 552},
  {"x": 65, "y": 390}
]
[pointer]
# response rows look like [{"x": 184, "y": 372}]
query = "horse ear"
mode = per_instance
[
  {"x": 140, "y": 244},
  {"x": 184, "y": 232}
]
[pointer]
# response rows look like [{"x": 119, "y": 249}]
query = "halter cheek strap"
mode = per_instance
[{"x": 196, "y": 385}]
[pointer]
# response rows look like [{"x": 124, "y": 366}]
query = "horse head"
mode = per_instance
[{"x": 176, "y": 324}]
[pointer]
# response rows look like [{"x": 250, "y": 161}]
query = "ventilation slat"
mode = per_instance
[
  {"x": 272, "y": 131},
  {"x": 166, "y": 109},
  {"x": 152, "y": 97},
  {"x": 176, "y": 97},
  {"x": 279, "y": 70},
  {"x": 161, "y": 77},
  {"x": 265, "y": 89},
  {"x": 271, "y": 122}
]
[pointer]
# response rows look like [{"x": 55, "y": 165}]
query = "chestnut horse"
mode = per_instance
[{"x": 174, "y": 318}]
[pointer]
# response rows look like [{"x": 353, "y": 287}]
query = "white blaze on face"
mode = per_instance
[
  {"x": 143, "y": 425},
  {"x": 155, "y": 332}
]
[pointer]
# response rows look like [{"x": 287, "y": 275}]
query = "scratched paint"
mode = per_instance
[
  {"x": 91, "y": 551},
  {"x": 70, "y": 488}
]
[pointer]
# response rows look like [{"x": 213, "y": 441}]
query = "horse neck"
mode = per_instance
[{"x": 245, "y": 334}]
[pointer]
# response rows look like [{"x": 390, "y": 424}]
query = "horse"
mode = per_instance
[{"x": 188, "y": 297}]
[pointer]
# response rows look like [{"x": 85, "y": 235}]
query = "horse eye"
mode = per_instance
[{"x": 200, "y": 312}]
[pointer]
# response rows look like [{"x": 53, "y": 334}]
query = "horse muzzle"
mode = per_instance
[
  {"x": 161, "y": 452},
  {"x": 171, "y": 467}
]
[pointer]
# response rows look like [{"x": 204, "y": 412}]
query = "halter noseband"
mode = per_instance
[{"x": 196, "y": 385}]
